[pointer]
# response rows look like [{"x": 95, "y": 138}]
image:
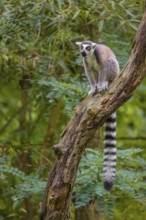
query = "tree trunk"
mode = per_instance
[
  {"x": 53, "y": 122},
  {"x": 24, "y": 158},
  {"x": 88, "y": 212},
  {"x": 89, "y": 116}
]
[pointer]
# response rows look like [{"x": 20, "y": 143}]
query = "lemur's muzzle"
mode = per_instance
[{"x": 83, "y": 53}]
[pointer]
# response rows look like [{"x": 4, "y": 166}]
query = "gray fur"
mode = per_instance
[
  {"x": 101, "y": 67},
  {"x": 101, "y": 62}
]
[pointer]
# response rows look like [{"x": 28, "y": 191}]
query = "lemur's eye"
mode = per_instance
[
  {"x": 88, "y": 48},
  {"x": 81, "y": 47}
]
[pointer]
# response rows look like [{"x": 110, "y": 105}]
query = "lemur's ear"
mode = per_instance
[
  {"x": 93, "y": 45},
  {"x": 78, "y": 43}
]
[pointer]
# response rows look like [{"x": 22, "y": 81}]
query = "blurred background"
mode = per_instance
[{"x": 42, "y": 80}]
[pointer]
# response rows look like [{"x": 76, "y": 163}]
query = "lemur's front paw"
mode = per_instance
[
  {"x": 102, "y": 86},
  {"x": 92, "y": 91}
]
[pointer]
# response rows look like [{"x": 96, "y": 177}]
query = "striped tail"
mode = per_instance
[{"x": 110, "y": 152}]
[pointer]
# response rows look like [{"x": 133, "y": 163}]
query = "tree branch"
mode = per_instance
[
  {"x": 11, "y": 118},
  {"x": 131, "y": 138},
  {"x": 89, "y": 116}
]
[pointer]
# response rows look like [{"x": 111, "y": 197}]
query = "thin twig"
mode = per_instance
[{"x": 11, "y": 119}]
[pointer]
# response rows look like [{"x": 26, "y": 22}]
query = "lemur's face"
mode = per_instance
[{"x": 86, "y": 47}]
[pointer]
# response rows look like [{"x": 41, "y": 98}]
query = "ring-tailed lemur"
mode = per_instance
[{"x": 101, "y": 67}]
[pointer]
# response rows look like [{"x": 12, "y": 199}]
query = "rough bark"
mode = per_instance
[{"x": 89, "y": 116}]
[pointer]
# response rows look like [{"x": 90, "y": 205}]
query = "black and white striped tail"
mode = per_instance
[{"x": 110, "y": 152}]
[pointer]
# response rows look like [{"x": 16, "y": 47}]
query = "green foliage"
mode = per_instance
[
  {"x": 69, "y": 88},
  {"x": 130, "y": 180},
  {"x": 42, "y": 80},
  {"x": 27, "y": 185}
]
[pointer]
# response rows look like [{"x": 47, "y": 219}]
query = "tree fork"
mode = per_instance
[{"x": 89, "y": 116}]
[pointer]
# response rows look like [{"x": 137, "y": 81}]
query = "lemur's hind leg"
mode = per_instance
[{"x": 102, "y": 82}]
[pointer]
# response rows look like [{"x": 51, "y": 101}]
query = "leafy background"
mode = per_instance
[{"x": 42, "y": 80}]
